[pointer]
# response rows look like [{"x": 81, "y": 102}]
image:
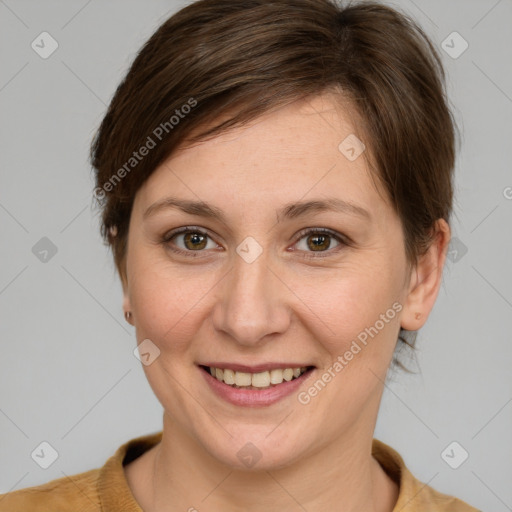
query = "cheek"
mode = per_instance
[
  {"x": 361, "y": 304},
  {"x": 167, "y": 301}
]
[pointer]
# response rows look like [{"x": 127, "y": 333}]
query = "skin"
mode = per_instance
[{"x": 281, "y": 307}]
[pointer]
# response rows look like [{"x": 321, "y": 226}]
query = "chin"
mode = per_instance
[{"x": 254, "y": 449}]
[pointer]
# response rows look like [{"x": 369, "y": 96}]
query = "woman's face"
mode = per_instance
[{"x": 269, "y": 278}]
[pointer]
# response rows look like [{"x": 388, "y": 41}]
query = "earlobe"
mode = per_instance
[
  {"x": 426, "y": 280},
  {"x": 127, "y": 308}
]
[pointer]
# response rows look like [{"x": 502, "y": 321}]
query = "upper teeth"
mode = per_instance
[{"x": 258, "y": 380}]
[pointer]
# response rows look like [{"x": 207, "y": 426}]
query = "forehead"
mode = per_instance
[{"x": 295, "y": 152}]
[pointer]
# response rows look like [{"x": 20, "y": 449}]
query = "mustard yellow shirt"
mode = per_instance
[{"x": 106, "y": 489}]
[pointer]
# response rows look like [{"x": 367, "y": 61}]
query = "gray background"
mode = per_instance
[{"x": 68, "y": 375}]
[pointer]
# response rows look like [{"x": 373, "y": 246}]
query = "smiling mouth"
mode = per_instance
[{"x": 260, "y": 380}]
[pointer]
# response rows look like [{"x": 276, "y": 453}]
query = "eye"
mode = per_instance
[
  {"x": 191, "y": 241},
  {"x": 319, "y": 240},
  {"x": 188, "y": 240}
]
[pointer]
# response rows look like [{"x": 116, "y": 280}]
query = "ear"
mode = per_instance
[{"x": 426, "y": 280}]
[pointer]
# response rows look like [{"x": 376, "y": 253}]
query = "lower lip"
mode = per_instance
[{"x": 254, "y": 397}]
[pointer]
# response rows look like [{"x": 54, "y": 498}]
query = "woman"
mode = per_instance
[{"x": 276, "y": 186}]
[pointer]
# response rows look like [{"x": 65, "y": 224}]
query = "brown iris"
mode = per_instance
[
  {"x": 197, "y": 240},
  {"x": 318, "y": 242}
]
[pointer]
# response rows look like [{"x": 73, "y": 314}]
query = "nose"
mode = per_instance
[{"x": 252, "y": 303}]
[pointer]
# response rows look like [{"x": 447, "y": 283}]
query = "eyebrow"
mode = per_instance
[{"x": 288, "y": 211}]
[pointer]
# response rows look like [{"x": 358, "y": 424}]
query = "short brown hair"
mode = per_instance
[{"x": 248, "y": 57}]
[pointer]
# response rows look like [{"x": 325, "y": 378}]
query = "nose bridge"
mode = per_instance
[{"x": 251, "y": 305}]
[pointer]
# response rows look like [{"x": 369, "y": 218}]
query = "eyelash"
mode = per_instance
[{"x": 341, "y": 239}]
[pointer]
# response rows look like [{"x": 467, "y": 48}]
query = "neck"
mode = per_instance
[{"x": 341, "y": 476}]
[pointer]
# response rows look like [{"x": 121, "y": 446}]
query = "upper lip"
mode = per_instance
[{"x": 257, "y": 368}]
